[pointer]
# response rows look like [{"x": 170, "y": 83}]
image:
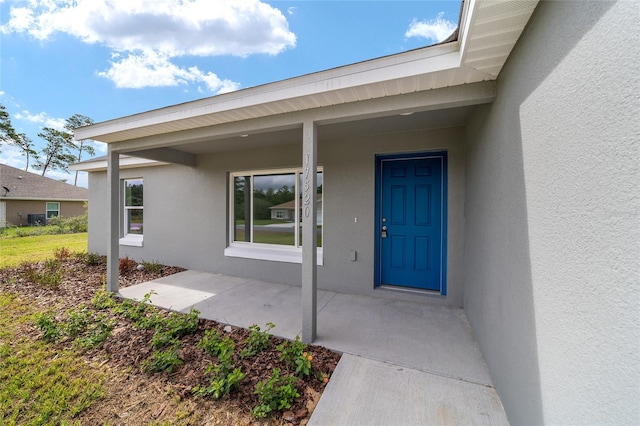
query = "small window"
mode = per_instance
[
  {"x": 53, "y": 210},
  {"x": 133, "y": 207}
]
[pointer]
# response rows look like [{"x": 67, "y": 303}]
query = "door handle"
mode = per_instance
[{"x": 383, "y": 233}]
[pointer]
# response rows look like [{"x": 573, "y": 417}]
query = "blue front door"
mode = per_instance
[{"x": 411, "y": 221}]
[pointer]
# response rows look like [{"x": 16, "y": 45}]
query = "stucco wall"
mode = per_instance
[
  {"x": 552, "y": 219},
  {"x": 186, "y": 211},
  {"x": 26, "y": 207}
]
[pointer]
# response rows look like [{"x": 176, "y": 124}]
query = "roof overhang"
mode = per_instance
[
  {"x": 126, "y": 162},
  {"x": 49, "y": 199},
  {"x": 442, "y": 76}
]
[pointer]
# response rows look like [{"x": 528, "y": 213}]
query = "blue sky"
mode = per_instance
[{"x": 109, "y": 58}]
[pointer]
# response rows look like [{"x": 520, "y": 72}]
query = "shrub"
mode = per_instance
[
  {"x": 224, "y": 379},
  {"x": 67, "y": 225},
  {"x": 50, "y": 277},
  {"x": 153, "y": 267},
  {"x": 135, "y": 311},
  {"x": 62, "y": 253},
  {"x": 97, "y": 331},
  {"x": 216, "y": 345},
  {"x": 48, "y": 326},
  {"x": 257, "y": 341},
  {"x": 103, "y": 299},
  {"x": 173, "y": 327},
  {"x": 127, "y": 265},
  {"x": 276, "y": 393},
  {"x": 92, "y": 259},
  {"x": 160, "y": 361},
  {"x": 293, "y": 354}
]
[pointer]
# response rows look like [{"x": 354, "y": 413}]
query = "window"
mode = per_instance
[
  {"x": 133, "y": 212},
  {"x": 266, "y": 211},
  {"x": 53, "y": 210}
]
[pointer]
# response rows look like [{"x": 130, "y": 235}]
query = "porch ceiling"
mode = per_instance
[{"x": 451, "y": 117}]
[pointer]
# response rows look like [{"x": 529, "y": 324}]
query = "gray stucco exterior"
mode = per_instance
[
  {"x": 552, "y": 227},
  {"x": 543, "y": 225},
  {"x": 186, "y": 211}
]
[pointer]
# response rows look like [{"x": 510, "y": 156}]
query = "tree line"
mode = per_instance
[{"x": 61, "y": 148}]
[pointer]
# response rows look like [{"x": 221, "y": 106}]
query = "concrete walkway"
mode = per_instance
[{"x": 403, "y": 363}]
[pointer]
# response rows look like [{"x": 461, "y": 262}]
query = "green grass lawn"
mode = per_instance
[
  {"x": 16, "y": 250},
  {"x": 40, "y": 384}
]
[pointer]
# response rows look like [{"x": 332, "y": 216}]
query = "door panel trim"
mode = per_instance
[{"x": 378, "y": 209}]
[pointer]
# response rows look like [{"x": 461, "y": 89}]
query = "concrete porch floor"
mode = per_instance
[{"x": 403, "y": 363}]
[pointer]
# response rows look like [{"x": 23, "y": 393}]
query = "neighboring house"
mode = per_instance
[
  {"x": 30, "y": 199},
  {"x": 287, "y": 211},
  {"x": 497, "y": 172}
]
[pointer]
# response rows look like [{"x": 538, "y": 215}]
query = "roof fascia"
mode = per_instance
[
  {"x": 414, "y": 62},
  {"x": 126, "y": 162},
  {"x": 448, "y": 97},
  {"x": 468, "y": 12},
  {"x": 48, "y": 199}
]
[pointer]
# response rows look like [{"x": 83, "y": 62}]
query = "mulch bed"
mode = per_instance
[{"x": 135, "y": 397}]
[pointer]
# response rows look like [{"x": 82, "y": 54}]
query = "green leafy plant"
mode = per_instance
[
  {"x": 275, "y": 394},
  {"x": 171, "y": 328},
  {"x": 93, "y": 259},
  {"x": 182, "y": 324},
  {"x": 217, "y": 345},
  {"x": 77, "y": 321},
  {"x": 49, "y": 327},
  {"x": 97, "y": 332},
  {"x": 50, "y": 276},
  {"x": 224, "y": 379},
  {"x": 103, "y": 299},
  {"x": 154, "y": 267},
  {"x": 160, "y": 361},
  {"x": 135, "y": 311},
  {"x": 303, "y": 364},
  {"x": 257, "y": 341},
  {"x": 323, "y": 377},
  {"x": 295, "y": 356},
  {"x": 163, "y": 339},
  {"x": 52, "y": 264}
]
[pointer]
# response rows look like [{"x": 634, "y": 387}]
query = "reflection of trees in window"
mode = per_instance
[
  {"x": 270, "y": 199},
  {"x": 133, "y": 206}
]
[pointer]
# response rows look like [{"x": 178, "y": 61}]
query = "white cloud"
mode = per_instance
[
  {"x": 435, "y": 30},
  {"x": 100, "y": 147},
  {"x": 173, "y": 27},
  {"x": 41, "y": 118},
  {"x": 11, "y": 155},
  {"x": 152, "y": 32},
  {"x": 152, "y": 69}
]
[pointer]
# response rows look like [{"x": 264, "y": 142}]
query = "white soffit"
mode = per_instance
[
  {"x": 494, "y": 28},
  {"x": 490, "y": 29},
  {"x": 126, "y": 162}
]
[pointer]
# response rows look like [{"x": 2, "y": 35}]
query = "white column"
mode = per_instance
[
  {"x": 113, "y": 220},
  {"x": 309, "y": 223}
]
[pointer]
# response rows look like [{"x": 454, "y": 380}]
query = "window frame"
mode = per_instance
[
  {"x": 130, "y": 239},
  {"x": 265, "y": 251},
  {"x": 47, "y": 209}
]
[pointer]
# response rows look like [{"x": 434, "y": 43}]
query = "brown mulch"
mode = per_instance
[{"x": 135, "y": 397}]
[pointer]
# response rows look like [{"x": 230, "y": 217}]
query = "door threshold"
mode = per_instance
[{"x": 409, "y": 290}]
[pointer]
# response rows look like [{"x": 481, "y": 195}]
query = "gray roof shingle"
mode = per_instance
[{"x": 21, "y": 185}]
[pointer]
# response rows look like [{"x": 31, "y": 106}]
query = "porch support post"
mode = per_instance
[
  {"x": 309, "y": 224},
  {"x": 113, "y": 220}
]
